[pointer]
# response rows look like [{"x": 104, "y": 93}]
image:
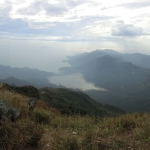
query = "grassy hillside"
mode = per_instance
[
  {"x": 27, "y": 90},
  {"x": 66, "y": 101},
  {"x": 48, "y": 129},
  {"x": 73, "y": 102}
]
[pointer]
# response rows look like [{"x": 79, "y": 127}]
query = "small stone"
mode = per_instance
[
  {"x": 47, "y": 145},
  {"x": 74, "y": 133}
]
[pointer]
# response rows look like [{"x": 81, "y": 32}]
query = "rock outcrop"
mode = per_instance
[{"x": 8, "y": 112}]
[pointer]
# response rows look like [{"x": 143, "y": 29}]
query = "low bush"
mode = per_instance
[{"x": 41, "y": 117}]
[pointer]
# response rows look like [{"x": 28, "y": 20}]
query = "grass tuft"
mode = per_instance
[{"x": 41, "y": 117}]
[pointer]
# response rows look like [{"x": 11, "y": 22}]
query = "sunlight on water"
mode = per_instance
[{"x": 75, "y": 81}]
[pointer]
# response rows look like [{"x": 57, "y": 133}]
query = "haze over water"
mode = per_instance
[{"x": 75, "y": 81}]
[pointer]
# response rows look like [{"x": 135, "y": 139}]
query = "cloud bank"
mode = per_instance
[{"x": 128, "y": 30}]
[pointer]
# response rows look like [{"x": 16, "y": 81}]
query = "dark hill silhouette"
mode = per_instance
[{"x": 14, "y": 81}]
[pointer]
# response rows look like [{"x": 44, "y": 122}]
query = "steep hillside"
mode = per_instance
[
  {"x": 47, "y": 129},
  {"x": 27, "y": 90},
  {"x": 71, "y": 102},
  {"x": 66, "y": 101}
]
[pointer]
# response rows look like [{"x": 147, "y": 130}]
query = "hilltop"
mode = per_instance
[{"x": 49, "y": 129}]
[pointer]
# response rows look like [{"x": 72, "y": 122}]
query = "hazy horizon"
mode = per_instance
[
  {"x": 42, "y": 58},
  {"x": 41, "y": 33}
]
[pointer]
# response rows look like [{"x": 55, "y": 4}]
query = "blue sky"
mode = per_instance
[{"x": 41, "y": 33}]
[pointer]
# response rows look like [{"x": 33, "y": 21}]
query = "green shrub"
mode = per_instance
[{"x": 41, "y": 117}]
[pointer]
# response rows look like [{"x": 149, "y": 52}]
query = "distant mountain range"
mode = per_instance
[
  {"x": 15, "y": 82},
  {"x": 25, "y": 76},
  {"x": 136, "y": 58},
  {"x": 22, "y": 73},
  {"x": 125, "y": 76}
]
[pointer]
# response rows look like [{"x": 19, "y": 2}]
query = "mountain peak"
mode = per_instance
[{"x": 111, "y": 52}]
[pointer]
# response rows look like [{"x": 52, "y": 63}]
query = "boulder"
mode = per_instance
[
  {"x": 8, "y": 111},
  {"x": 31, "y": 103}
]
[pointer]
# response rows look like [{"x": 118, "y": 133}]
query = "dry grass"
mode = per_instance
[
  {"x": 47, "y": 129},
  {"x": 24, "y": 132},
  {"x": 131, "y": 131}
]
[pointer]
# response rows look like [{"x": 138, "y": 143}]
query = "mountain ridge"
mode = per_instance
[
  {"x": 25, "y": 76},
  {"x": 66, "y": 101},
  {"x": 126, "y": 80}
]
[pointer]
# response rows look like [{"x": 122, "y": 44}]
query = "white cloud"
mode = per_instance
[
  {"x": 75, "y": 25},
  {"x": 137, "y": 5}
]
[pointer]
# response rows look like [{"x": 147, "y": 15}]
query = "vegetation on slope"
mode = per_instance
[
  {"x": 47, "y": 129},
  {"x": 75, "y": 102},
  {"x": 67, "y": 101},
  {"x": 130, "y": 131},
  {"x": 24, "y": 132},
  {"x": 27, "y": 90}
]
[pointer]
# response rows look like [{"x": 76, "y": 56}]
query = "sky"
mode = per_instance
[{"x": 41, "y": 33}]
